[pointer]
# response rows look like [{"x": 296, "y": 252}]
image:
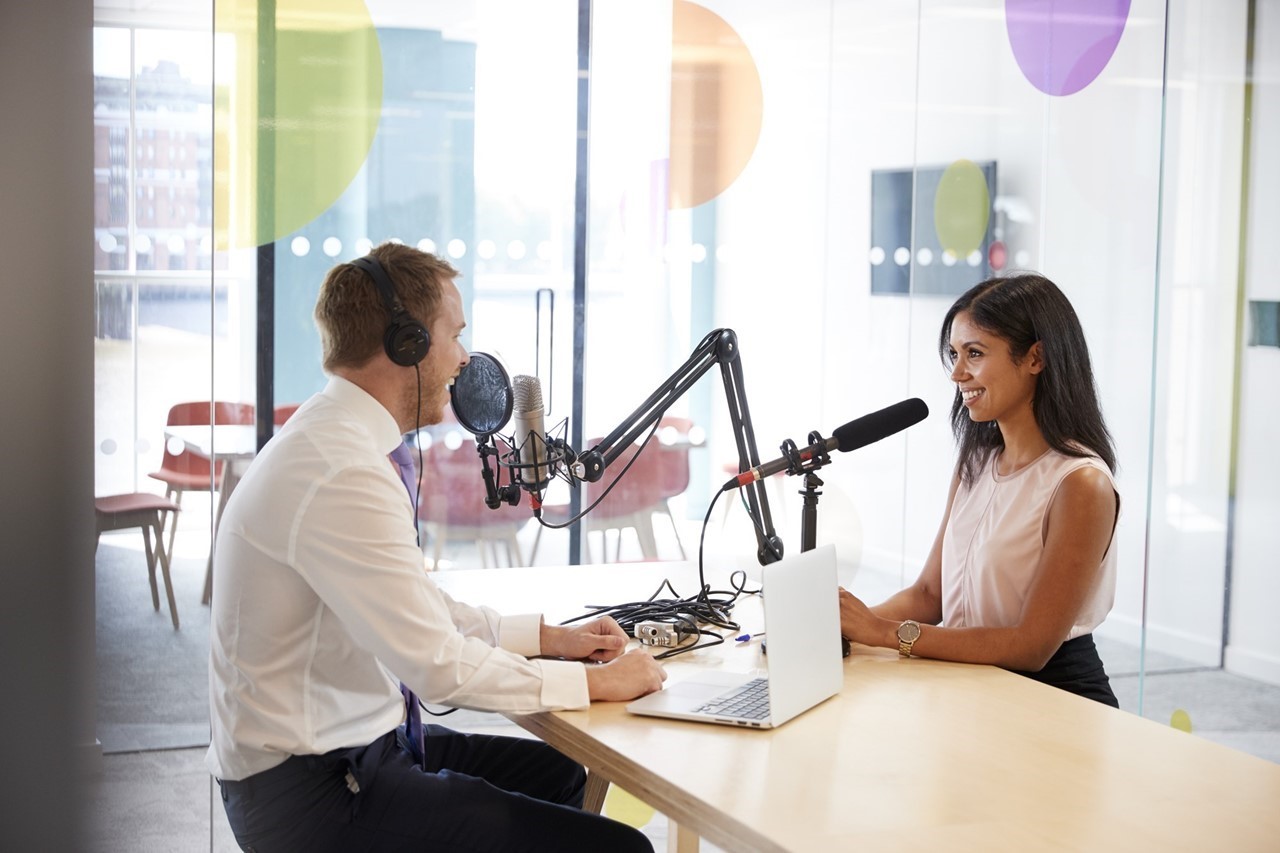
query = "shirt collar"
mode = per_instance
[{"x": 367, "y": 410}]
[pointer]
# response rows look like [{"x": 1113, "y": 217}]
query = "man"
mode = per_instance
[{"x": 322, "y": 611}]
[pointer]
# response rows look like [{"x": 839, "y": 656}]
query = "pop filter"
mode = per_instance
[{"x": 481, "y": 396}]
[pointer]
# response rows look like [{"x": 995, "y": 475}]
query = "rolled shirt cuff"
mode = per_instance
[
  {"x": 521, "y": 634},
  {"x": 564, "y": 684}
]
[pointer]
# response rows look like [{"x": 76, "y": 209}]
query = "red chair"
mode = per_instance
[
  {"x": 186, "y": 471},
  {"x": 451, "y": 505},
  {"x": 629, "y": 504},
  {"x": 674, "y": 480},
  {"x": 148, "y": 511}
]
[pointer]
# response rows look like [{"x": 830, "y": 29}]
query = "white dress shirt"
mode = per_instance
[
  {"x": 995, "y": 536},
  {"x": 321, "y": 604}
]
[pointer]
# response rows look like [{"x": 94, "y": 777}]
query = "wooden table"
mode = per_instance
[
  {"x": 234, "y": 445},
  {"x": 911, "y": 755}
]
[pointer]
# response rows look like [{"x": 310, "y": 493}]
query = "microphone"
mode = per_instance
[
  {"x": 865, "y": 430},
  {"x": 530, "y": 431}
]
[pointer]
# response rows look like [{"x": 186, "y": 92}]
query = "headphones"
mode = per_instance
[{"x": 405, "y": 340}]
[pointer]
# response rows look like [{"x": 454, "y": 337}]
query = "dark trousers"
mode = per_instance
[
  {"x": 1077, "y": 668},
  {"x": 476, "y": 793}
]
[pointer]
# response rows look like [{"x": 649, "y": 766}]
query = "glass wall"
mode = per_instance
[{"x": 823, "y": 178}]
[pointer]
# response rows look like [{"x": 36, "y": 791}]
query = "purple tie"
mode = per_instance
[{"x": 403, "y": 460}]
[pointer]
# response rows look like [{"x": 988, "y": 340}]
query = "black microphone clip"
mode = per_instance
[
  {"x": 816, "y": 455},
  {"x": 810, "y": 458},
  {"x": 494, "y": 496}
]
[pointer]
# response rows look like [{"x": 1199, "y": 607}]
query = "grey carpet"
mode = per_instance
[{"x": 152, "y": 685}]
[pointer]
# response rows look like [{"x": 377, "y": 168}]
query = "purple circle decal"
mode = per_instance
[{"x": 1063, "y": 45}]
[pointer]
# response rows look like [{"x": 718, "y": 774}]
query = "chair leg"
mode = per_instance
[
  {"x": 666, "y": 506},
  {"x": 644, "y": 532},
  {"x": 513, "y": 549},
  {"x": 174, "y": 495},
  {"x": 164, "y": 568},
  {"x": 147, "y": 528}
]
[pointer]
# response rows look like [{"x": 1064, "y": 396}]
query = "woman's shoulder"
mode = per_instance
[{"x": 1086, "y": 473}]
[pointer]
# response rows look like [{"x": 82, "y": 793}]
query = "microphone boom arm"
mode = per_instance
[{"x": 718, "y": 347}]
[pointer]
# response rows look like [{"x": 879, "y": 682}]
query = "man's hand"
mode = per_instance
[
  {"x": 601, "y": 640},
  {"x": 630, "y": 676}
]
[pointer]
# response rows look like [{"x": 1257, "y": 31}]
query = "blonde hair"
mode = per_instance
[{"x": 351, "y": 315}]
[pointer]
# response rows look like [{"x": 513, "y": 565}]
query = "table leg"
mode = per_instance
[
  {"x": 681, "y": 839},
  {"x": 593, "y": 797}
]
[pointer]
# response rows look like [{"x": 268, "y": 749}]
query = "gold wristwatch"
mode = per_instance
[{"x": 908, "y": 633}]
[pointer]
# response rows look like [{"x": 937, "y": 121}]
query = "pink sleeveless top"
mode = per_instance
[{"x": 993, "y": 542}]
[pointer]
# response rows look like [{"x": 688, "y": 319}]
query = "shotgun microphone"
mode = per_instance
[{"x": 865, "y": 430}]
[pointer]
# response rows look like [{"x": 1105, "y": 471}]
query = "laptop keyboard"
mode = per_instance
[{"x": 749, "y": 702}]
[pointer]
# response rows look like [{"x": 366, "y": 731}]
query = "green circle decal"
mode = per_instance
[
  {"x": 627, "y": 808},
  {"x": 296, "y": 108},
  {"x": 961, "y": 208}
]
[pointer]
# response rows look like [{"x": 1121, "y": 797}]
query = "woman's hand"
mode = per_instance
[{"x": 859, "y": 624}]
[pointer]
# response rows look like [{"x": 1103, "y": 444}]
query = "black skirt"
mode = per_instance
[{"x": 1076, "y": 668}]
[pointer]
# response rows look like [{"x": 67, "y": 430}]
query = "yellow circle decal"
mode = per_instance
[
  {"x": 625, "y": 808},
  {"x": 961, "y": 208},
  {"x": 298, "y": 95}
]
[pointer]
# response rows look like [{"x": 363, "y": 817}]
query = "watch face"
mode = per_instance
[{"x": 909, "y": 632}]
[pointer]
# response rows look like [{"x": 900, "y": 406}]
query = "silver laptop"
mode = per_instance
[{"x": 802, "y": 638}]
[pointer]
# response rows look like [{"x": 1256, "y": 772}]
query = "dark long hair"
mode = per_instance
[{"x": 1021, "y": 310}]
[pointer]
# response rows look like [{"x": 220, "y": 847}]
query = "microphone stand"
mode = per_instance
[
  {"x": 811, "y": 493},
  {"x": 812, "y": 483},
  {"x": 720, "y": 347}
]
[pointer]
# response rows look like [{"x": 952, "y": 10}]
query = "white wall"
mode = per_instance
[
  {"x": 1199, "y": 250},
  {"x": 1253, "y": 645}
]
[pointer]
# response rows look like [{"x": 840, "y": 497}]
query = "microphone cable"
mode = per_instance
[
  {"x": 706, "y": 607},
  {"x": 625, "y": 468},
  {"x": 417, "y": 442},
  {"x": 417, "y": 529}
]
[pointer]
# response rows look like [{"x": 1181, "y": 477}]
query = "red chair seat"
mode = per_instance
[
  {"x": 185, "y": 481},
  {"x": 113, "y": 505}
]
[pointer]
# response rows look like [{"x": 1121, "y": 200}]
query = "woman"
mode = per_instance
[{"x": 1023, "y": 567}]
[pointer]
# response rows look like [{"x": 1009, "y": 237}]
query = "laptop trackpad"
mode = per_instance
[{"x": 692, "y": 693}]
